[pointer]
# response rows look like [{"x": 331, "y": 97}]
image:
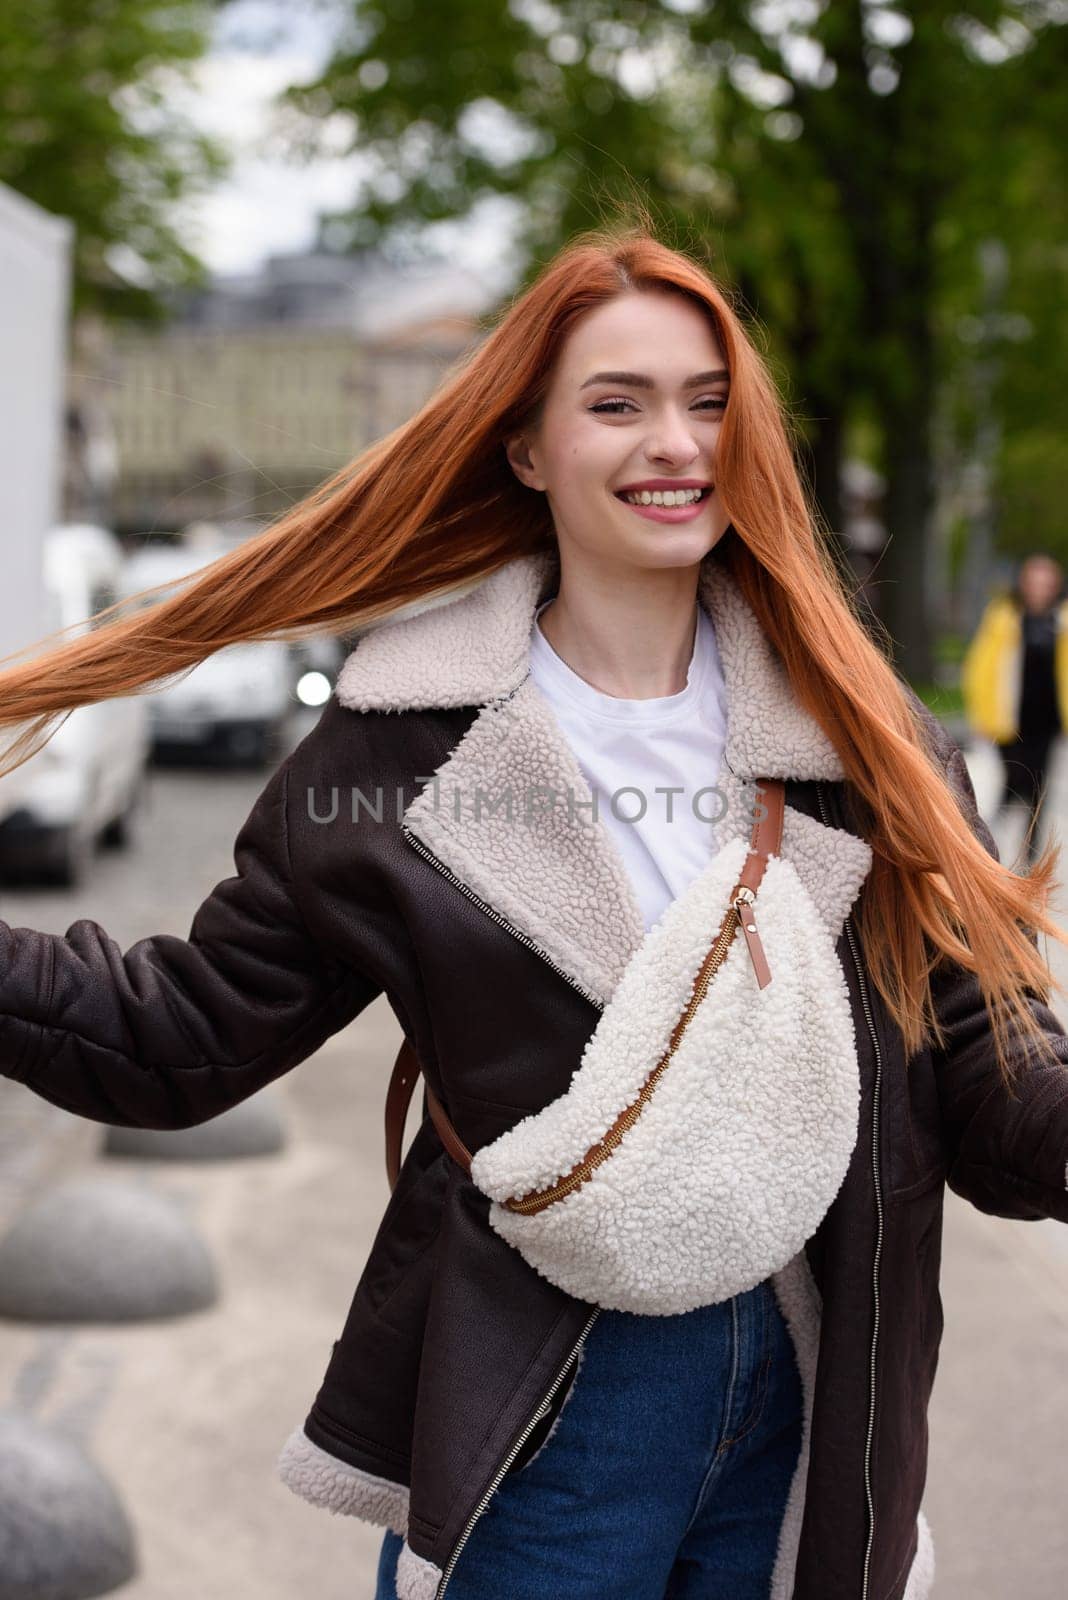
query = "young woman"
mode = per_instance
[{"x": 639, "y": 830}]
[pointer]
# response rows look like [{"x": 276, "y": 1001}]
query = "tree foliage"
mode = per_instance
[
  {"x": 841, "y": 159},
  {"x": 90, "y": 129}
]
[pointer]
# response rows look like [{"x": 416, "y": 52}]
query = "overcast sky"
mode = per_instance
[{"x": 269, "y": 205}]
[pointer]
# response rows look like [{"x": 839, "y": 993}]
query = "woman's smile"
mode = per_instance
[{"x": 681, "y": 504}]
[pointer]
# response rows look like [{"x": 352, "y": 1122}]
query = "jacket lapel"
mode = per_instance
[
  {"x": 510, "y": 812},
  {"x": 497, "y": 814}
]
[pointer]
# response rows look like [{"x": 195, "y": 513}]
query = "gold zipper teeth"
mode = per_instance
[{"x": 531, "y": 1204}]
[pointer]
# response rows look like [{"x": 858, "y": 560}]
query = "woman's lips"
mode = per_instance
[{"x": 668, "y": 513}]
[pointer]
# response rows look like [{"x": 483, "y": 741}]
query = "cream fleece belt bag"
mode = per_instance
[{"x": 711, "y": 1119}]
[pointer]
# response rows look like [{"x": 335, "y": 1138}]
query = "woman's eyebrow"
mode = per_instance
[{"x": 638, "y": 380}]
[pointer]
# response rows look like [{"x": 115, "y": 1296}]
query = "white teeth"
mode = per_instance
[{"x": 664, "y": 497}]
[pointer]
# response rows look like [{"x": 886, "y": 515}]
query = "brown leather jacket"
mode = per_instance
[{"x": 498, "y": 945}]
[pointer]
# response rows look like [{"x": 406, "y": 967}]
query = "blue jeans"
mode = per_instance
[{"x": 667, "y": 1473}]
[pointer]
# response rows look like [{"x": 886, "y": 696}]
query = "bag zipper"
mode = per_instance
[
  {"x": 541, "y": 1411},
  {"x": 743, "y": 917},
  {"x": 877, "y": 1258}
]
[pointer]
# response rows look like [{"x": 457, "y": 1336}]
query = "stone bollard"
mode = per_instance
[
  {"x": 96, "y": 1249},
  {"x": 63, "y": 1532},
  {"x": 252, "y": 1128}
]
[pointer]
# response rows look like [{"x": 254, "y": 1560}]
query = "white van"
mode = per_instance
[
  {"x": 85, "y": 784},
  {"x": 237, "y": 702}
]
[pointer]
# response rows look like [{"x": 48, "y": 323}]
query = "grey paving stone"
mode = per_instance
[
  {"x": 63, "y": 1532},
  {"x": 253, "y": 1128},
  {"x": 38, "y": 1144},
  {"x": 103, "y": 1249}
]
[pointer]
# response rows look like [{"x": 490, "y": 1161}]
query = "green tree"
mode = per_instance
[
  {"x": 90, "y": 130},
  {"x": 841, "y": 166},
  {"x": 1030, "y": 208}
]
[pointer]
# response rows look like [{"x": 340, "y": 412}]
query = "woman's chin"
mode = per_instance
[{"x": 678, "y": 546}]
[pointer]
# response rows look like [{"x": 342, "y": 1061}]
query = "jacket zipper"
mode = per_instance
[
  {"x": 542, "y": 1411},
  {"x": 877, "y": 1258},
  {"x": 546, "y": 1402},
  {"x": 491, "y": 911}
]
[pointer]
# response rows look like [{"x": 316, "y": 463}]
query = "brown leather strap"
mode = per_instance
[
  {"x": 766, "y": 840},
  {"x": 406, "y": 1071},
  {"x": 398, "y": 1098},
  {"x": 767, "y": 832},
  {"x": 446, "y": 1132}
]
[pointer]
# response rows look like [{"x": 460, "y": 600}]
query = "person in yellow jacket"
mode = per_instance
[{"x": 1014, "y": 679}]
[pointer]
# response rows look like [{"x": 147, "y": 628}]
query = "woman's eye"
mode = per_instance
[{"x": 613, "y": 407}]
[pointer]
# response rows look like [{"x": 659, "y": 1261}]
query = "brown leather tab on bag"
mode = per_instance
[{"x": 766, "y": 840}]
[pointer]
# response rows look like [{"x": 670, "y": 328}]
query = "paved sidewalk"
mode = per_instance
[
  {"x": 187, "y": 1416},
  {"x": 997, "y": 1481}
]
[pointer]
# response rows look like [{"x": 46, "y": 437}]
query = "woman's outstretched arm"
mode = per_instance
[
  {"x": 174, "y": 1031},
  {"x": 1008, "y": 1151}
]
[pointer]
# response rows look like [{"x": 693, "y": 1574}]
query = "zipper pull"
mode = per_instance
[{"x": 743, "y": 905}]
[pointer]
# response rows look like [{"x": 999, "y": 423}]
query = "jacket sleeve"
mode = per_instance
[
  {"x": 1008, "y": 1149},
  {"x": 174, "y": 1031}
]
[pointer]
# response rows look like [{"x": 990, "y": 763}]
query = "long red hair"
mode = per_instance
[{"x": 435, "y": 505}]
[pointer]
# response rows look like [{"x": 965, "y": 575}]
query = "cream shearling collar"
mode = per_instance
[
  {"x": 551, "y": 870},
  {"x": 476, "y": 649}
]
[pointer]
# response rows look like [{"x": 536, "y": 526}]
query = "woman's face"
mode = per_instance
[
  {"x": 634, "y": 405},
  {"x": 1040, "y": 582}
]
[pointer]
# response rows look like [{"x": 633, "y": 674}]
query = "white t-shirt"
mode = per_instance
[{"x": 673, "y": 742}]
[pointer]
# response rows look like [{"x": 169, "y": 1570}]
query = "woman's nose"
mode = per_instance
[{"x": 673, "y": 442}]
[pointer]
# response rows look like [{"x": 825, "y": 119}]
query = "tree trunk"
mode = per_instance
[
  {"x": 901, "y": 575},
  {"x": 820, "y": 461},
  {"x": 822, "y": 457}
]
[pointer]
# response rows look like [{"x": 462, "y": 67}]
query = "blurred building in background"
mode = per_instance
[{"x": 258, "y": 388}]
